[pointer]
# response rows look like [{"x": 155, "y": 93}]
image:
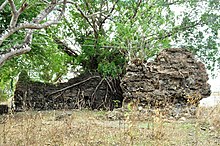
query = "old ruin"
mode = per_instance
[
  {"x": 86, "y": 91},
  {"x": 175, "y": 77}
]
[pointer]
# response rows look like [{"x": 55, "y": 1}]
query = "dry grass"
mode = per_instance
[{"x": 85, "y": 128}]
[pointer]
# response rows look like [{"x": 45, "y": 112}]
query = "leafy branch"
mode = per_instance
[{"x": 37, "y": 23}]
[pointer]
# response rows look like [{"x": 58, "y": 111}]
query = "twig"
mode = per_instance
[
  {"x": 106, "y": 17},
  {"x": 136, "y": 10}
]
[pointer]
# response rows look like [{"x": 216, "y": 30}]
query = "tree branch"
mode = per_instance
[
  {"x": 43, "y": 14},
  {"x": 23, "y": 7},
  {"x": 31, "y": 26},
  {"x": 136, "y": 9},
  {"x": 83, "y": 15},
  {"x": 3, "y": 5},
  {"x": 13, "y": 7},
  {"x": 11, "y": 31},
  {"x": 65, "y": 47},
  {"x": 15, "y": 51},
  {"x": 34, "y": 24},
  {"x": 15, "y": 14},
  {"x": 106, "y": 17}
]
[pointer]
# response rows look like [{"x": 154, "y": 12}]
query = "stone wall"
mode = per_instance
[
  {"x": 86, "y": 91},
  {"x": 174, "y": 77}
]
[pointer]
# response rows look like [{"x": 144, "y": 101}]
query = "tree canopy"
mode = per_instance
[{"x": 101, "y": 36}]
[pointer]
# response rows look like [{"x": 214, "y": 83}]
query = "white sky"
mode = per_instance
[{"x": 215, "y": 83}]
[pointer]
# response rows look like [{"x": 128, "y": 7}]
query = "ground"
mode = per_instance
[{"x": 85, "y": 127}]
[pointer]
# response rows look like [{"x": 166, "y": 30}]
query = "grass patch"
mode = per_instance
[{"x": 84, "y": 127}]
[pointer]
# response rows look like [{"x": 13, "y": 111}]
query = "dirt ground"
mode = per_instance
[{"x": 94, "y": 128}]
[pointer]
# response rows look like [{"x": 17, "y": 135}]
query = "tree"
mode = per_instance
[
  {"x": 37, "y": 22},
  {"x": 142, "y": 28},
  {"x": 24, "y": 26}
]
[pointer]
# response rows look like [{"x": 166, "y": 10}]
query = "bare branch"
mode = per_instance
[
  {"x": 13, "y": 7},
  {"x": 3, "y": 5},
  {"x": 16, "y": 14},
  {"x": 22, "y": 8},
  {"x": 11, "y": 31},
  {"x": 34, "y": 24},
  {"x": 43, "y": 14},
  {"x": 17, "y": 50}
]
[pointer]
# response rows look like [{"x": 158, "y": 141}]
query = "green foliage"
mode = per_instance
[
  {"x": 45, "y": 62},
  {"x": 141, "y": 29}
]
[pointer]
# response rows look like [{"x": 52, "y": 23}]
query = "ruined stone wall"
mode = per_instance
[
  {"x": 86, "y": 91},
  {"x": 174, "y": 77}
]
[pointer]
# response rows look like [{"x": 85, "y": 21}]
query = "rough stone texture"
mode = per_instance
[
  {"x": 3, "y": 109},
  {"x": 85, "y": 91},
  {"x": 175, "y": 77}
]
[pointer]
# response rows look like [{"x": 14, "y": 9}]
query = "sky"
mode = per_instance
[{"x": 215, "y": 83}]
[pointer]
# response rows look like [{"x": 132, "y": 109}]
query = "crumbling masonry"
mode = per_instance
[{"x": 174, "y": 77}]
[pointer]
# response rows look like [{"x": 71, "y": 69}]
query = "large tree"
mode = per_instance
[{"x": 109, "y": 30}]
